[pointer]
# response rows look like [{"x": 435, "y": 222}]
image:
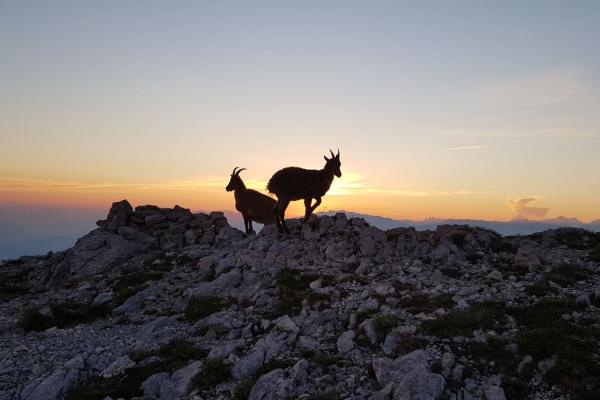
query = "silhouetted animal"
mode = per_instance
[
  {"x": 253, "y": 206},
  {"x": 293, "y": 183}
]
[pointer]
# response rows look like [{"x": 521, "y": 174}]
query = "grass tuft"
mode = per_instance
[
  {"x": 213, "y": 373},
  {"x": 62, "y": 315},
  {"x": 423, "y": 303},
  {"x": 294, "y": 286},
  {"x": 383, "y": 324},
  {"x": 9, "y": 292},
  {"x": 463, "y": 322},
  {"x": 567, "y": 274},
  {"x": 126, "y": 385},
  {"x": 545, "y": 334},
  {"x": 201, "y": 307}
]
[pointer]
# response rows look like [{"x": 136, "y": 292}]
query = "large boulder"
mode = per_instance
[
  {"x": 56, "y": 384},
  {"x": 281, "y": 384},
  {"x": 95, "y": 253},
  {"x": 410, "y": 376},
  {"x": 118, "y": 215}
]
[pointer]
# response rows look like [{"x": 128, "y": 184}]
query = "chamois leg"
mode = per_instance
[
  {"x": 307, "y": 209},
  {"x": 247, "y": 223},
  {"x": 314, "y": 206},
  {"x": 250, "y": 229},
  {"x": 282, "y": 206},
  {"x": 276, "y": 212}
]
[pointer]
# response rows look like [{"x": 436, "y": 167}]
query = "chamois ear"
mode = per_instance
[{"x": 326, "y": 159}]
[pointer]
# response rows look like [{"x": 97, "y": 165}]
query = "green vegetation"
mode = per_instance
[
  {"x": 294, "y": 286},
  {"x": 384, "y": 324},
  {"x": 564, "y": 275},
  {"x": 61, "y": 315},
  {"x": 422, "y": 303},
  {"x": 577, "y": 238},
  {"x": 326, "y": 395},
  {"x": 540, "y": 289},
  {"x": 173, "y": 355},
  {"x": 463, "y": 322},
  {"x": 242, "y": 391},
  {"x": 595, "y": 255},
  {"x": 452, "y": 272},
  {"x": 179, "y": 353},
  {"x": 567, "y": 274},
  {"x": 511, "y": 269},
  {"x": 126, "y": 385},
  {"x": 273, "y": 364},
  {"x": 501, "y": 244},
  {"x": 120, "y": 296},
  {"x": 459, "y": 238},
  {"x": 213, "y": 373},
  {"x": 132, "y": 283},
  {"x": 136, "y": 279},
  {"x": 544, "y": 334},
  {"x": 201, "y": 307},
  {"x": 409, "y": 344},
  {"x": 515, "y": 382},
  {"x": 33, "y": 320},
  {"x": 9, "y": 292},
  {"x": 325, "y": 360},
  {"x": 362, "y": 341}
]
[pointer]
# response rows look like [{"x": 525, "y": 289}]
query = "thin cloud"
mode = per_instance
[
  {"x": 353, "y": 184},
  {"x": 522, "y": 208},
  {"x": 41, "y": 185},
  {"x": 350, "y": 184},
  {"x": 472, "y": 147},
  {"x": 536, "y": 90}
]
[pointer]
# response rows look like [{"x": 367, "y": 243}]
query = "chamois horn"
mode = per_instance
[{"x": 239, "y": 170}]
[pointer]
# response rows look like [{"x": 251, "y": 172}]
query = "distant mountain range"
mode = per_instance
[
  {"x": 517, "y": 226},
  {"x": 37, "y": 230}
]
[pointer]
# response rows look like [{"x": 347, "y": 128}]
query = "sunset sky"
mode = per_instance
[{"x": 451, "y": 109}]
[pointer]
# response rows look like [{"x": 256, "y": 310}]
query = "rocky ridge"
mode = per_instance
[{"x": 166, "y": 304}]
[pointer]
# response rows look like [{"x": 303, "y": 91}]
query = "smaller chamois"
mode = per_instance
[
  {"x": 294, "y": 183},
  {"x": 253, "y": 206}
]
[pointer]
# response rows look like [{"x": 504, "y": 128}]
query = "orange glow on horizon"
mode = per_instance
[{"x": 349, "y": 193}]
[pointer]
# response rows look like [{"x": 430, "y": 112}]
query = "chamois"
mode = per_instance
[
  {"x": 253, "y": 206},
  {"x": 294, "y": 183}
]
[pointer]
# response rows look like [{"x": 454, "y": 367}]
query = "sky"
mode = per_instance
[{"x": 462, "y": 109}]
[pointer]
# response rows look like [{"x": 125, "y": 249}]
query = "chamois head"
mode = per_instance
[
  {"x": 235, "y": 182},
  {"x": 334, "y": 163}
]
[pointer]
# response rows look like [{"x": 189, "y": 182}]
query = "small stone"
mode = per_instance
[{"x": 345, "y": 342}]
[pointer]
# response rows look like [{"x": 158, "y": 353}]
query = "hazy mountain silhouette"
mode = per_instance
[{"x": 518, "y": 226}]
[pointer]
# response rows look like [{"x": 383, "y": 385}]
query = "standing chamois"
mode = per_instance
[
  {"x": 293, "y": 183},
  {"x": 253, "y": 205}
]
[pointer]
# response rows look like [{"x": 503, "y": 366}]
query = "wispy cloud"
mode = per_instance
[
  {"x": 349, "y": 184},
  {"x": 535, "y": 90},
  {"x": 41, "y": 185},
  {"x": 522, "y": 208},
  {"x": 354, "y": 184},
  {"x": 471, "y": 147}
]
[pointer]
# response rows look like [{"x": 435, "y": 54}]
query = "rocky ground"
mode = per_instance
[{"x": 165, "y": 304}]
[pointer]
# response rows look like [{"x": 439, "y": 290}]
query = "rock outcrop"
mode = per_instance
[{"x": 167, "y": 304}]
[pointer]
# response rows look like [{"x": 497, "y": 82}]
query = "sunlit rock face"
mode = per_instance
[{"x": 167, "y": 304}]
